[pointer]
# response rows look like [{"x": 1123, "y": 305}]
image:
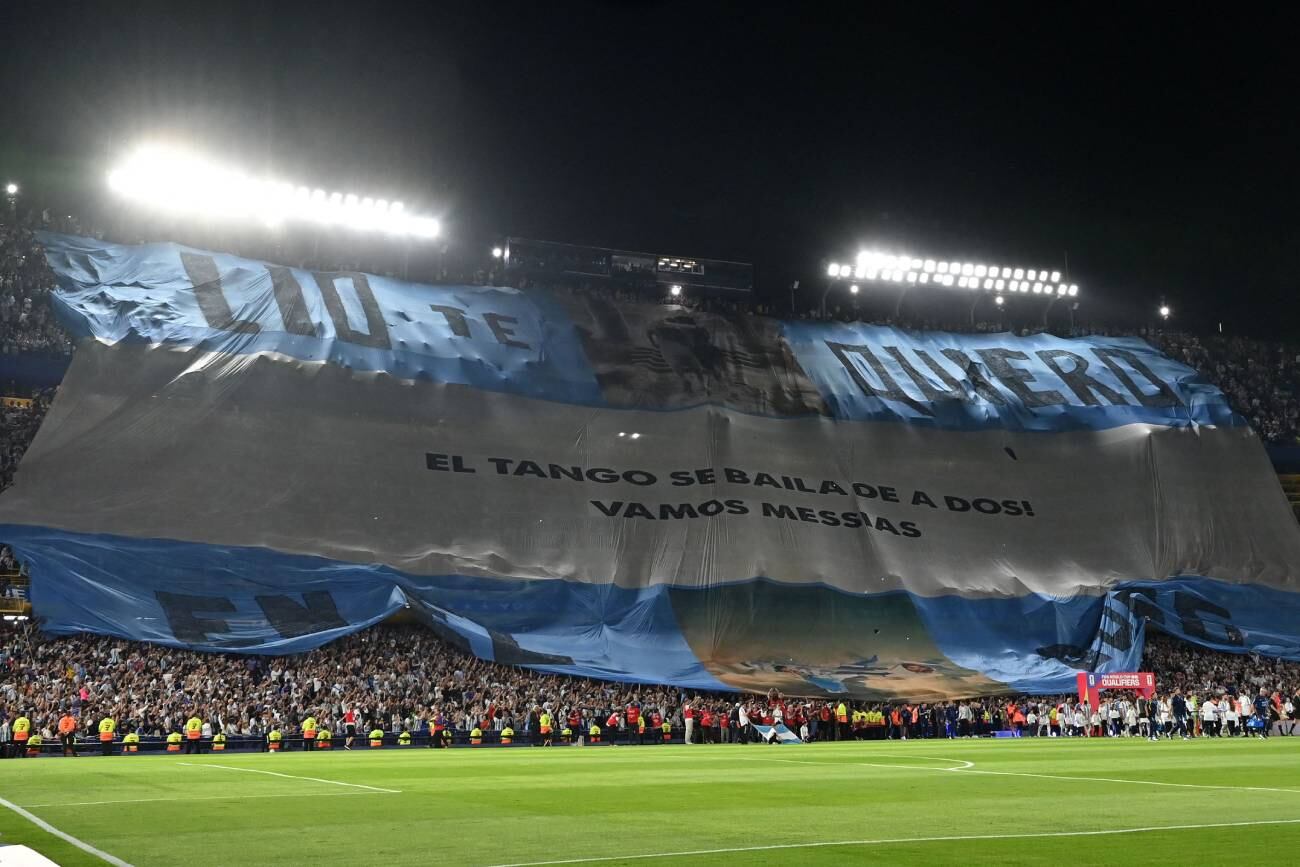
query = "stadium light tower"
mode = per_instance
[
  {"x": 180, "y": 182},
  {"x": 907, "y": 271}
]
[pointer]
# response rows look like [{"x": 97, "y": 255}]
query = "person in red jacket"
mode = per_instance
[{"x": 633, "y": 715}]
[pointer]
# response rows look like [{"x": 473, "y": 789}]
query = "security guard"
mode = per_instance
[
  {"x": 68, "y": 733},
  {"x": 640, "y": 729},
  {"x": 446, "y": 737},
  {"x": 107, "y": 726},
  {"x": 131, "y": 743},
  {"x": 309, "y": 733},
  {"x": 507, "y": 736},
  {"x": 544, "y": 726},
  {"x": 476, "y": 737},
  {"x": 842, "y": 722},
  {"x": 193, "y": 735},
  {"x": 174, "y": 742},
  {"x": 219, "y": 742},
  {"x": 404, "y": 739},
  {"x": 21, "y": 731},
  {"x": 34, "y": 744},
  {"x": 667, "y": 728},
  {"x": 273, "y": 738},
  {"x": 323, "y": 739},
  {"x": 593, "y": 734},
  {"x": 376, "y": 737},
  {"x": 566, "y": 734}
]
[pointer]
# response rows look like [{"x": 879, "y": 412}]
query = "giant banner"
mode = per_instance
[{"x": 258, "y": 458}]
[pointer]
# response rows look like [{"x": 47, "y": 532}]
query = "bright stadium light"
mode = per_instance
[
  {"x": 676, "y": 290},
  {"x": 998, "y": 301},
  {"x": 496, "y": 252},
  {"x": 1165, "y": 311},
  {"x": 180, "y": 182},
  {"x": 907, "y": 269},
  {"x": 11, "y": 189},
  {"x": 853, "y": 290}
]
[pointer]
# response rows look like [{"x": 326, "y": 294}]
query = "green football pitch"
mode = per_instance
[{"x": 1026, "y": 801}]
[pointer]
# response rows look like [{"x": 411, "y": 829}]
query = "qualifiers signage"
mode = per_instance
[{"x": 1091, "y": 684}]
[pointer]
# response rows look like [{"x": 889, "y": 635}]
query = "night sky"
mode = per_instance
[{"x": 1158, "y": 154}]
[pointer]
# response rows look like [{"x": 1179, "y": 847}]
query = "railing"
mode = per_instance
[{"x": 296, "y": 743}]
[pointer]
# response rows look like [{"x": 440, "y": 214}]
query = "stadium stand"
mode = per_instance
[{"x": 401, "y": 678}]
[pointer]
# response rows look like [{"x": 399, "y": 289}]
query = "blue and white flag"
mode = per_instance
[{"x": 247, "y": 457}]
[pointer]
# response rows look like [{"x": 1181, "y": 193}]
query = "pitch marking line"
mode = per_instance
[
  {"x": 67, "y": 838},
  {"x": 969, "y": 768},
  {"x": 289, "y": 776},
  {"x": 184, "y": 799},
  {"x": 902, "y": 840}
]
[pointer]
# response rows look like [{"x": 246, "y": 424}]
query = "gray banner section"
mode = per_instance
[{"x": 315, "y": 459}]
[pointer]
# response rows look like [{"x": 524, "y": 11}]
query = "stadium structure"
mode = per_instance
[{"x": 250, "y": 458}]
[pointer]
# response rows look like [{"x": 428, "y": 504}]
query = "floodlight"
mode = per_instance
[
  {"x": 863, "y": 257},
  {"x": 11, "y": 189},
  {"x": 1056, "y": 276},
  {"x": 675, "y": 291},
  {"x": 911, "y": 276},
  {"x": 860, "y": 272},
  {"x": 988, "y": 283},
  {"x": 496, "y": 252},
  {"x": 943, "y": 268},
  {"x": 925, "y": 277},
  {"x": 998, "y": 300},
  {"x": 1165, "y": 311},
  {"x": 1074, "y": 290},
  {"x": 1032, "y": 274},
  {"x": 1019, "y": 273},
  {"x": 1060, "y": 290},
  {"x": 980, "y": 270},
  {"x": 833, "y": 269},
  {"x": 853, "y": 290},
  {"x": 928, "y": 265},
  {"x": 636, "y": 436},
  {"x": 999, "y": 284},
  {"x": 967, "y": 268}
]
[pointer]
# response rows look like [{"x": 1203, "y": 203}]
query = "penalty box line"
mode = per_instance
[
  {"x": 884, "y": 841},
  {"x": 64, "y": 836},
  {"x": 291, "y": 777}
]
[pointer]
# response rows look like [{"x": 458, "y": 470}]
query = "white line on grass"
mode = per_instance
[
  {"x": 67, "y": 838},
  {"x": 185, "y": 799},
  {"x": 288, "y": 776},
  {"x": 1118, "y": 780},
  {"x": 970, "y": 769},
  {"x": 902, "y": 840}
]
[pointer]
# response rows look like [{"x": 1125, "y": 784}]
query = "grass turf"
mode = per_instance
[{"x": 525, "y": 805}]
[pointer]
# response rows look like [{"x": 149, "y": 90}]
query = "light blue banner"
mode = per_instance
[{"x": 635, "y": 357}]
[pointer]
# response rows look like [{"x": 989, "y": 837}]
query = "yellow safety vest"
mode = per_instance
[
  {"x": 404, "y": 739},
  {"x": 594, "y": 731},
  {"x": 507, "y": 733},
  {"x": 274, "y": 735},
  {"x": 131, "y": 738},
  {"x": 194, "y": 724},
  {"x": 21, "y": 726},
  {"x": 107, "y": 725},
  {"x": 174, "y": 738}
]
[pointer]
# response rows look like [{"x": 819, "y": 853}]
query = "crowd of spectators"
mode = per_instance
[
  {"x": 27, "y": 322},
  {"x": 19, "y": 421},
  {"x": 404, "y": 678}
]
